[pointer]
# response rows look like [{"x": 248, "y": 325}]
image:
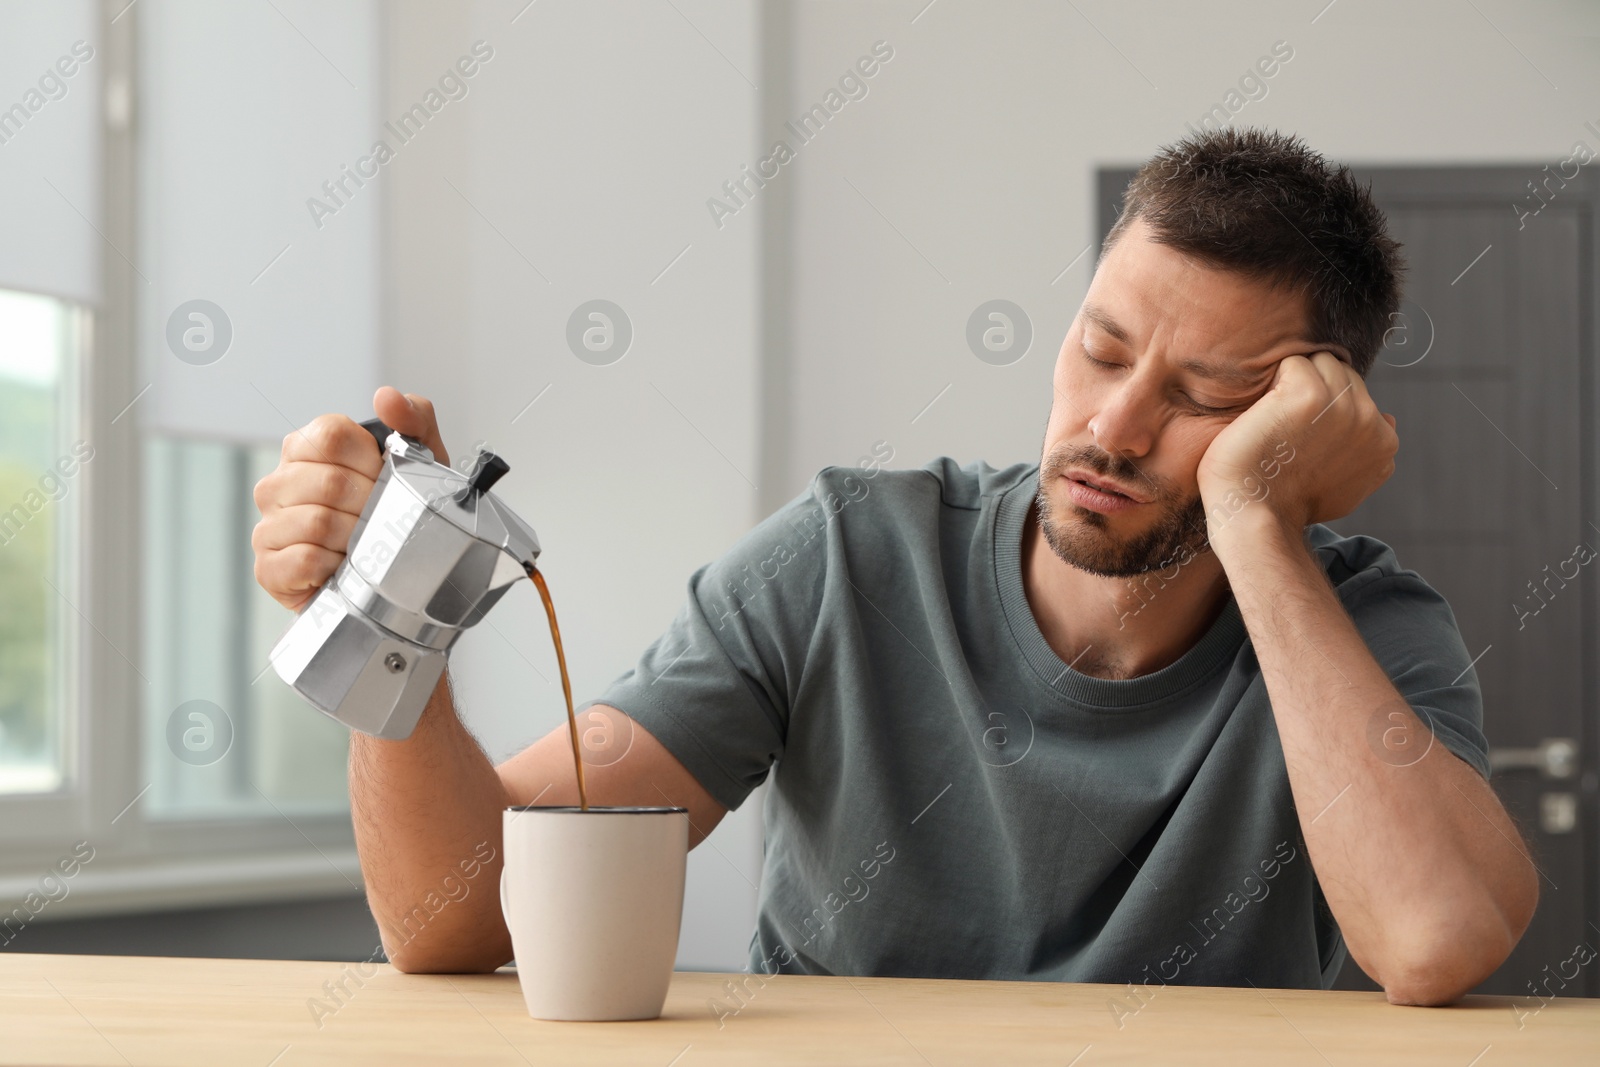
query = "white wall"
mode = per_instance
[
  {"x": 980, "y": 140},
  {"x": 584, "y": 152}
]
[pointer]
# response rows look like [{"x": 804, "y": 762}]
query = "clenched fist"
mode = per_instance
[
  {"x": 310, "y": 504},
  {"x": 1310, "y": 450}
]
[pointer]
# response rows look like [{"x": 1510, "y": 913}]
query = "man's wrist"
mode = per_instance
[{"x": 1253, "y": 533}]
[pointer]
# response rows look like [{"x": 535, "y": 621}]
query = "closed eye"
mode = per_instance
[
  {"x": 1195, "y": 405},
  {"x": 1206, "y": 409}
]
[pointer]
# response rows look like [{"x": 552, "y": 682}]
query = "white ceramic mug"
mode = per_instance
[{"x": 594, "y": 901}]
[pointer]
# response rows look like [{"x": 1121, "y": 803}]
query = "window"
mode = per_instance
[
  {"x": 224, "y": 737},
  {"x": 257, "y": 315},
  {"x": 40, "y": 459},
  {"x": 137, "y": 708}
]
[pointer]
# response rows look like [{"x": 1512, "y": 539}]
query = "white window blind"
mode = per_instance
[
  {"x": 50, "y": 94},
  {"x": 257, "y": 313}
]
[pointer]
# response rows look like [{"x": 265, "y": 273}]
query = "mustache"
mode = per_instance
[{"x": 1106, "y": 464}]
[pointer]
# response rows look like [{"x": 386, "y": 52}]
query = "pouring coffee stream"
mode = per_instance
[
  {"x": 433, "y": 551},
  {"x": 566, "y": 683}
]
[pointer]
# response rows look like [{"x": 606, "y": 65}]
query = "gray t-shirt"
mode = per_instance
[{"x": 951, "y": 800}]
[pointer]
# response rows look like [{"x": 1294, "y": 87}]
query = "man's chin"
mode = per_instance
[
  {"x": 1111, "y": 546},
  {"x": 1094, "y": 550}
]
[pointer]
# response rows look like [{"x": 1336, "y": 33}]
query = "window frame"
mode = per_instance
[{"x": 139, "y": 863}]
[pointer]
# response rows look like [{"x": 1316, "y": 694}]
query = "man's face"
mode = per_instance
[{"x": 1183, "y": 349}]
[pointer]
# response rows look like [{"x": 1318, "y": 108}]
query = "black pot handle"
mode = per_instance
[{"x": 379, "y": 431}]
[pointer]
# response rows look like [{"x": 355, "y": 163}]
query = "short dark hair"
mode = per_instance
[{"x": 1261, "y": 203}]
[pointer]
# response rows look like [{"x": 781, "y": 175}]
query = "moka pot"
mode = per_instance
[{"x": 433, "y": 551}]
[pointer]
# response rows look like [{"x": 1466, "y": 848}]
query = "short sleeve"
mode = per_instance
[
  {"x": 715, "y": 688},
  {"x": 1412, "y": 633}
]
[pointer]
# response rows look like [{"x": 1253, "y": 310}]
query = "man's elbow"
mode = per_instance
[
  {"x": 416, "y": 956},
  {"x": 1443, "y": 966},
  {"x": 1428, "y": 984}
]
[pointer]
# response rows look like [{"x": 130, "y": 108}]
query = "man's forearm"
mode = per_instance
[
  {"x": 1420, "y": 864},
  {"x": 427, "y": 812}
]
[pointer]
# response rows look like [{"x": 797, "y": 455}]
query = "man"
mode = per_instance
[{"x": 1132, "y": 715}]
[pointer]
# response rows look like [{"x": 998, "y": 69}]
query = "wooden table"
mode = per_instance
[{"x": 133, "y": 1010}]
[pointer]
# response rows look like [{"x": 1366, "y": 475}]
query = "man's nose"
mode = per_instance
[{"x": 1125, "y": 424}]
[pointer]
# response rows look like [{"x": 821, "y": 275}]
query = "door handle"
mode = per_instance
[{"x": 1554, "y": 757}]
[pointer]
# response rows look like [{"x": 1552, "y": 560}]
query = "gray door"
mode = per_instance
[{"x": 1489, "y": 371}]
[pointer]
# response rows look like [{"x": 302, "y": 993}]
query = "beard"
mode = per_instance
[{"x": 1084, "y": 539}]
